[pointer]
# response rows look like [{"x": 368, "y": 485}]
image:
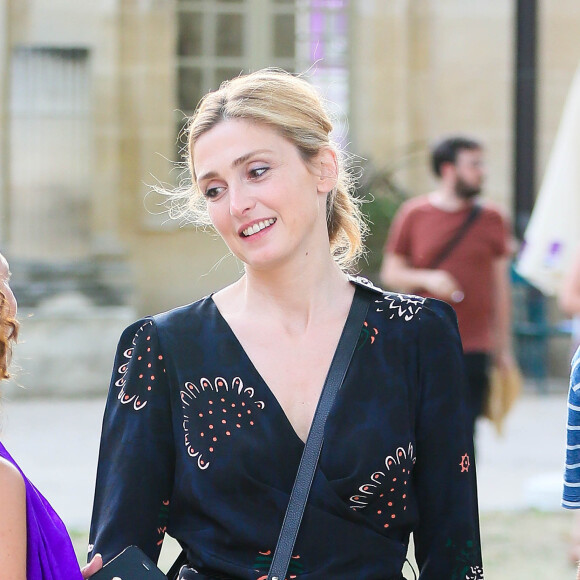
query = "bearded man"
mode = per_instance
[{"x": 450, "y": 245}]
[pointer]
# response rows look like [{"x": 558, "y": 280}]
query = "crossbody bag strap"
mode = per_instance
[
  {"x": 457, "y": 237},
  {"x": 301, "y": 489}
]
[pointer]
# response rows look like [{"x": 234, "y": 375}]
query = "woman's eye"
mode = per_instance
[
  {"x": 213, "y": 192},
  {"x": 258, "y": 172}
]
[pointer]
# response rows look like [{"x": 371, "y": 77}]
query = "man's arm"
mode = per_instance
[
  {"x": 396, "y": 273},
  {"x": 502, "y": 311}
]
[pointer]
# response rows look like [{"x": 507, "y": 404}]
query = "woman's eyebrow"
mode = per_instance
[
  {"x": 249, "y": 155},
  {"x": 235, "y": 163}
]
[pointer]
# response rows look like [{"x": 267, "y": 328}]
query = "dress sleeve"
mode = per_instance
[
  {"x": 447, "y": 541},
  {"x": 136, "y": 457},
  {"x": 571, "y": 496}
]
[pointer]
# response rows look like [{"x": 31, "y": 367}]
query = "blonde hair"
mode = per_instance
[
  {"x": 8, "y": 335},
  {"x": 293, "y": 108}
]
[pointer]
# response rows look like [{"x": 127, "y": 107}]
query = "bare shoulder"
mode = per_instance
[
  {"x": 11, "y": 482},
  {"x": 12, "y": 523},
  {"x": 12, "y": 495}
]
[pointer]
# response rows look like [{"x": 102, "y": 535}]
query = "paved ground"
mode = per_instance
[
  {"x": 523, "y": 467},
  {"x": 56, "y": 443}
]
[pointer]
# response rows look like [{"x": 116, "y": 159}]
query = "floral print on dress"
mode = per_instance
[
  {"x": 264, "y": 561},
  {"x": 147, "y": 364},
  {"x": 465, "y": 464},
  {"x": 403, "y": 306},
  {"x": 387, "y": 490},
  {"x": 163, "y": 518},
  {"x": 213, "y": 412},
  {"x": 464, "y": 569},
  {"x": 365, "y": 282},
  {"x": 475, "y": 573},
  {"x": 368, "y": 334}
]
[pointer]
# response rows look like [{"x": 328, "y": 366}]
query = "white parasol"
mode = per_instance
[{"x": 553, "y": 232}]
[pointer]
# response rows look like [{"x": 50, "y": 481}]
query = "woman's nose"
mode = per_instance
[{"x": 241, "y": 201}]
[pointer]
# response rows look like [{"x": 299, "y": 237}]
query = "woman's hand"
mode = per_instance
[{"x": 92, "y": 567}]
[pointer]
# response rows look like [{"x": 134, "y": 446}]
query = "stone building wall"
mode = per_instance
[
  {"x": 418, "y": 69},
  {"x": 132, "y": 61},
  {"x": 438, "y": 67}
]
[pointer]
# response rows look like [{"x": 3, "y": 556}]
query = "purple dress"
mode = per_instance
[{"x": 49, "y": 551}]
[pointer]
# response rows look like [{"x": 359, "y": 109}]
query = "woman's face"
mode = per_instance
[
  {"x": 263, "y": 199},
  {"x": 11, "y": 305}
]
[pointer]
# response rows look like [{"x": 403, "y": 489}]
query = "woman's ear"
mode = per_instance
[{"x": 327, "y": 169}]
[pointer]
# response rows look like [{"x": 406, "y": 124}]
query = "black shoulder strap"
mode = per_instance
[
  {"x": 457, "y": 237},
  {"x": 301, "y": 489}
]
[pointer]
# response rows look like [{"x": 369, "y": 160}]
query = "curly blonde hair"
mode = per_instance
[
  {"x": 292, "y": 107},
  {"x": 8, "y": 336}
]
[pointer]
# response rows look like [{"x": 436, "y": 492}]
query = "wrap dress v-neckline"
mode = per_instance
[{"x": 254, "y": 367}]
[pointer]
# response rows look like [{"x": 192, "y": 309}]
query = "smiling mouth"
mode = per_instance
[{"x": 257, "y": 228}]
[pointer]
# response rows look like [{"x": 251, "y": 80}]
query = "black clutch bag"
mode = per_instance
[{"x": 130, "y": 564}]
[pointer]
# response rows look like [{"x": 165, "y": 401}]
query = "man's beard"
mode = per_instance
[{"x": 466, "y": 191}]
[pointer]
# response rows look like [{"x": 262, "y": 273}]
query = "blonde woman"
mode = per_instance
[{"x": 210, "y": 404}]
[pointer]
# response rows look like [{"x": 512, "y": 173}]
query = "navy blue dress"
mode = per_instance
[{"x": 195, "y": 444}]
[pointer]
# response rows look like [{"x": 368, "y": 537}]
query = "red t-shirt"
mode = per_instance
[{"x": 420, "y": 231}]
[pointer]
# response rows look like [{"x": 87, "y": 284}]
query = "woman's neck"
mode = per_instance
[{"x": 289, "y": 296}]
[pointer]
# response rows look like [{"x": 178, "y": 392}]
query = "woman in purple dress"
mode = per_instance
[{"x": 34, "y": 543}]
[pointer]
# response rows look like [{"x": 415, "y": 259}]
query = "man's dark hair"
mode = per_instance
[{"x": 446, "y": 151}]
